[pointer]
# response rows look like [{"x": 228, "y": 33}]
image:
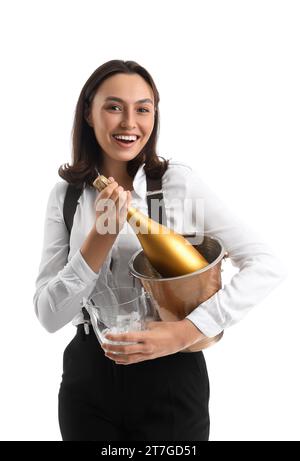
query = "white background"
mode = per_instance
[{"x": 228, "y": 74}]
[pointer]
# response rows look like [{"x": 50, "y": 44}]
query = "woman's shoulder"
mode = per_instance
[
  {"x": 59, "y": 189},
  {"x": 181, "y": 179},
  {"x": 57, "y": 194},
  {"x": 177, "y": 172},
  {"x": 176, "y": 179},
  {"x": 178, "y": 167}
]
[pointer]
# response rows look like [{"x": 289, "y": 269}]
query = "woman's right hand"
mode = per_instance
[{"x": 111, "y": 206}]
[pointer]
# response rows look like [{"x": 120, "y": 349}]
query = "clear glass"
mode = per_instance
[{"x": 120, "y": 310}]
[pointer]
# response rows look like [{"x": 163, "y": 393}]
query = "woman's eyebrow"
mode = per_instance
[{"x": 140, "y": 101}]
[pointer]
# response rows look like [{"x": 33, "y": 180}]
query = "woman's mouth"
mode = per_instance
[{"x": 125, "y": 141}]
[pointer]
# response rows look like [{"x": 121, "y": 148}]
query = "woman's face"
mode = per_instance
[{"x": 122, "y": 106}]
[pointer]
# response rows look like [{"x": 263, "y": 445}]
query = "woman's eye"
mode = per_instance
[
  {"x": 112, "y": 107},
  {"x": 117, "y": 108}
]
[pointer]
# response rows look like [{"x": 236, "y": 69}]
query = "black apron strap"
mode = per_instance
[
  {"x": 70, "y": 204},
  {"x": 155, "y": 201},
  {"x": 69, "y": 209}
]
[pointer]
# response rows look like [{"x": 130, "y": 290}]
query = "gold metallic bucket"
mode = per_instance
[{"x": 176, "y": 297}]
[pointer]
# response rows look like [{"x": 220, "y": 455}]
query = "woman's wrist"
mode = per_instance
[
  {"x": 96, "y": 247},
  {"x": 97, "y": 235},
  {"x": 191, "y": 334}
]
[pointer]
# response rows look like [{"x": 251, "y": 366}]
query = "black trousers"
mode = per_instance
[{"x": 164, "y": 399}]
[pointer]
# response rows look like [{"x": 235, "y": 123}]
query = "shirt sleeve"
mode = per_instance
[
  {"x": 259, "y": 269},
  {"x": 60, "y": 285}
]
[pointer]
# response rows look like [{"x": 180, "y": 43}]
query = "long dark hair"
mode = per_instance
[{"x": 86, "y": 152}]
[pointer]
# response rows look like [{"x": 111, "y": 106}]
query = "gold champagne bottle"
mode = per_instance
[{"x": 168, "y": 252}]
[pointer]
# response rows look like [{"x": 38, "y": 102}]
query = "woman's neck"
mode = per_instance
[{"x": 119, "y": 172}]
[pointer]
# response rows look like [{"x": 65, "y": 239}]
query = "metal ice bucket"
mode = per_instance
[{"x": 176, "y": 297}]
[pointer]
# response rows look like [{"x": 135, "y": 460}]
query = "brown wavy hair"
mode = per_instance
[{"x": 87, "y": 153}]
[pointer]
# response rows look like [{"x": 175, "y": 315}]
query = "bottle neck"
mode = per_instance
[{"x": 142, "y": 224}]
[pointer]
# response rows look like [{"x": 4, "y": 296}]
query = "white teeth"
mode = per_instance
[{"x": 126, "y": 138}]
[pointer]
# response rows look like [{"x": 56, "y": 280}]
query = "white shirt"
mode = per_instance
[{"x": 64, "y": 280}]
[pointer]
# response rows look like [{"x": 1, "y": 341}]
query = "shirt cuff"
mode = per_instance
[
  {"x": 82, "y": 269},
  {"x": 204, "y": 322}
]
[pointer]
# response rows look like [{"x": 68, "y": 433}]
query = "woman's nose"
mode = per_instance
[{"x": 128, "y": 120}]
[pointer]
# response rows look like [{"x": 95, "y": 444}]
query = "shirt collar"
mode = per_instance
[{"x": 139, "y": 182}]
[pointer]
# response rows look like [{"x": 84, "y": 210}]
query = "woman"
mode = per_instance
[{"x": 149, "y": 390}]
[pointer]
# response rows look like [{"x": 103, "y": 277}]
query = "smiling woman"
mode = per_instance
[
  {"x": 150, "y": 390},
  {"x": 120, "y": 98}
]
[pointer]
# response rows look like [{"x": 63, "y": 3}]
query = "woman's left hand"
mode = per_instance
[{"x": 160, "y": 338}]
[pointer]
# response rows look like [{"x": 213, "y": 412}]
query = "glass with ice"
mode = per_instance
[{"x": 120, "y": 310}]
